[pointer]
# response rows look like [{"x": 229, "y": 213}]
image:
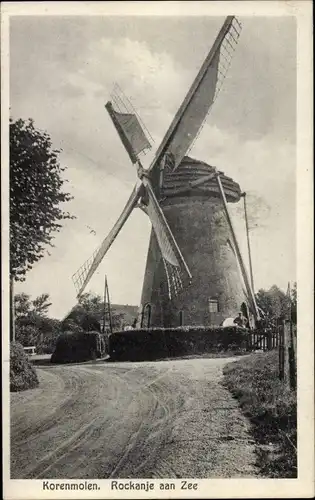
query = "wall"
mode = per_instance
[{"x": 198, "y": 223}]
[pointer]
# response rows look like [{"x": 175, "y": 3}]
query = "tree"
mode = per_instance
[
  {"x": 22, "y": 305},
  {"x": 36, "y": 183},
  {"x": 33, "y": 327},
  {"x": 88, "y": 313},
  {"x": 41, "y": 304},
  {"x": 273, "y": 302}
]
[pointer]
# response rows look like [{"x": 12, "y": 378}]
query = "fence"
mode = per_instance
[
  {"x": 283, "y": 338},
  {"x": 265, "y": 340}
]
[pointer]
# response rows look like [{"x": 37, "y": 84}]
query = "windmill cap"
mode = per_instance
[{"x": 191, "y": 170}]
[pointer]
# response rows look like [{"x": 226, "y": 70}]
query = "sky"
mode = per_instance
[{"x": 62, "y": 71}]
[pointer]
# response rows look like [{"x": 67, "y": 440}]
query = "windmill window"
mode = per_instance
[{"x": 213, "y": 305}]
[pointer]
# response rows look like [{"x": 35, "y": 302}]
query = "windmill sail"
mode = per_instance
[
  {"x": 202, "y": 94},
  {"x": 86, "y": 271},
  {"x": 127, "y": 124},
  {"x": 130, "y": 132},
  {"x": 176, "y": 269}
]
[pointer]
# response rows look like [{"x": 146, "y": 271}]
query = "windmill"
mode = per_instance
[{"x": 194, "y": 260}]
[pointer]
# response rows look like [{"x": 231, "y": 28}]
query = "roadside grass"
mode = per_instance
[
  {"x": 271, "y": 408},
  {"x": 22, "y": 374}
]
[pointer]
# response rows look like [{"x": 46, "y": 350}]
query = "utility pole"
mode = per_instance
[
  {"x": 106, "y": 298},
  {"x": 248, "y": 286},
  {"x": 104, "y": 310},
  {"x": 248, "y": 244}
]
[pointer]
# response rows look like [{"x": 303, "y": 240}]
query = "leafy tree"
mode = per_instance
[
  {"x": 88, "y": 313},
  {"x": 36, "y": 192},
  {"x": 41, "y": 304},
  {"x": 22, "y": 305},
  {"x": 69, "y": 325},
  {"x": 274, "y": 302},
  {"x": 27, "y": 334},
  {"x": 33, "y": 327}
]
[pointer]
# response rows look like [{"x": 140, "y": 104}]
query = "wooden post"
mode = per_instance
[
  {"x": 269, "y": 340},
  {"x": 249, "y": 338},
  {"x": 281, "y": 349},
  {"x": 292, "y": 365},
  {"x": 286, "y": 366},
  {"x": 291, "y": 343},
  {"x": 12, "y": 311}
]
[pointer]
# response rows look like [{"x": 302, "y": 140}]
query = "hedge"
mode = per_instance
[
  {"x": 156, "y": 343},
  {"x": 74, "y": 347},
  {"x": 22, "y": 374}
]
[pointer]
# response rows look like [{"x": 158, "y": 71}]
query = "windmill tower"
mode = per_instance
[
  {"x": 197, "y": 219},
  {"x": 195, "y": 272}
]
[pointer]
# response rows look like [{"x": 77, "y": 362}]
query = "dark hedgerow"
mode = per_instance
[
  {"x": 22, "y": 374},
  {"x": 74, "y": 347},
  {"x": 156, "y": 343}
]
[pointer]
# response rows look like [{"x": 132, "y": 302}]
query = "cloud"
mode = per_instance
[
  {"x": 98, "y": 202},
  {"x": 63, "y": 83}
]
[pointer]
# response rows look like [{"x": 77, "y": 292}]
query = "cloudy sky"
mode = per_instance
[{"x": 62, "y": 70}]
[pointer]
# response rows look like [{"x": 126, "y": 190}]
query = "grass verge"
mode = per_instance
[{"x": 270, "y": 407}]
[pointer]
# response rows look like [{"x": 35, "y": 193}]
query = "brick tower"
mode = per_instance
[{"x": 199, "y": 225}]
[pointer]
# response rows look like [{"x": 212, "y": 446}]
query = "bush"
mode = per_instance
[
  {"x": 272, "y": 409},
  {"x": 156, "y": 343},
  {"x": 74, "y": 347},
  {"x": 22, "y": 374}
]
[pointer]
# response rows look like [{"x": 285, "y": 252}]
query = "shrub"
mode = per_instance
[
  {"x": 155, "y": 343},
  {"x": 22, "y": 374},
  {"x": 78, "y": 346}
]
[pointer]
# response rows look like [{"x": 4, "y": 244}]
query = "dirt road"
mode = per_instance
[{"x": 130, "y": 420}]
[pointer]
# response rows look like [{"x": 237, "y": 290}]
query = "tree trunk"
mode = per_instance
[{"x": 12, "y": 315}]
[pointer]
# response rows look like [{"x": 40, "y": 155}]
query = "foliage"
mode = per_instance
[
  {"x": 88, "y": 313},
  {"x": 156, "y": 343},
  {"x": 23, "y": 305},
  {"x": 32, "y": 326},
  {"x": 36, "y": 182},
  {"x": 41, "y": 304},
  {"x": 78, "y": 346},
  {"x": 273, "y": 302},
  {"x": 22, "y": 374},
  {"x": 271, "y": 407},
  {"x": 276, "y": 303}
]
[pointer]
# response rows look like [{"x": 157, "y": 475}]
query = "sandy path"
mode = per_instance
[{"x": 128, "y": 420}]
